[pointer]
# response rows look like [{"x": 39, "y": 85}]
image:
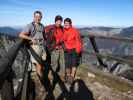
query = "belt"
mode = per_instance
[{"x": 58, "y": 48}]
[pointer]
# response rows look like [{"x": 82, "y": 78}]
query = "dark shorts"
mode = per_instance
[{"x": 71, "y": 58}]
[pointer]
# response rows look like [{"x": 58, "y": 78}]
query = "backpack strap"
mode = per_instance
[
  {"x": 49, "y": 37},
  {"x": 33, "y": 31}
]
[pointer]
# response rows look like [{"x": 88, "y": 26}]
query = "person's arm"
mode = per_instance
[
  {"x": 25, "y": 34},
  {"x": 78, "y": 42},
  {"x": 47, "y": 28}
]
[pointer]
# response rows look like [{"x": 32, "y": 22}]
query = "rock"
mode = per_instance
[{"x": 91, "y": 75}]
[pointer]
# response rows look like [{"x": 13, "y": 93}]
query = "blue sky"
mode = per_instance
[{"x": 82, "y": 12}]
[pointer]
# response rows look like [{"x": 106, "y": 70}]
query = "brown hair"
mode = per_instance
[
  {"x": 58, "y": 17},
  {"x": 38, "y": 12},
  {"x": 68, "y": 20}
]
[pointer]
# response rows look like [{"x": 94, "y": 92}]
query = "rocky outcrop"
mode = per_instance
[{"x": 105, "y": 86}]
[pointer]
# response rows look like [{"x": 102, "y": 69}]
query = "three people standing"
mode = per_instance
[{"x": 63, "y": 43}]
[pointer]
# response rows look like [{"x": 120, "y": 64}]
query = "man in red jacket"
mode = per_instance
[
  {"x": 73, "y": 46},
  {"x": 53, "y": 35}
]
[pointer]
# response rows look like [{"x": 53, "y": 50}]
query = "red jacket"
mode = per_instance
[
  {"x": 58, "y": 34},
  {"x": 72, "y": 39}
]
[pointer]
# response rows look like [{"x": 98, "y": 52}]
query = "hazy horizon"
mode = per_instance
[{"x": 78, "y": 26}]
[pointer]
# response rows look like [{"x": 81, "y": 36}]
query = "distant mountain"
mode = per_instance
[
  {"x": 127, "y": 32},
  {"x": 9, "y": 30},
  {"x": 100, "y": 30},
  {"x": 103, "y": 28}
]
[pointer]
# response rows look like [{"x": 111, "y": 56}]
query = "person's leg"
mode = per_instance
[
  {"x": 39, "y": 51},
  {"x": 62, "y": 64},
  {"x": 68, "y": 71},
  {"x": 54, "y": 65},
  {"x": 44, "y": 55},
  {"x": 40, "y": 92},
  {"x": 39, "y": 69},
  {"x": 73, "y": 72},
  {"x": 54, "y": 59},
  {"x": 67, "y": 66},
  {"x": 73, "y": 65}
]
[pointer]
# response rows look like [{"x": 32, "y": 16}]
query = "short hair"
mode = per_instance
[
  {"x": 68, "y": 20},
  {"x": 38, "y": 12},
  {"x": 58, "y": 17}
]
